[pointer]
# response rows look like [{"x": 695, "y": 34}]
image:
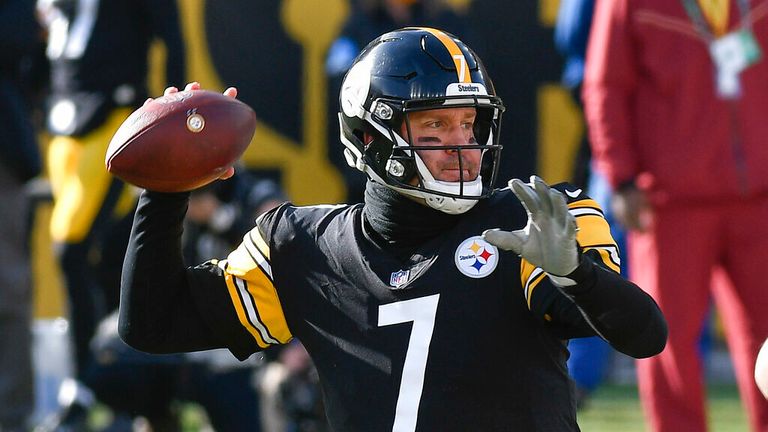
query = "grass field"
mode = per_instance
[
  {"x": 617, "y": 409},
  {"x": 613, "y": 408}
]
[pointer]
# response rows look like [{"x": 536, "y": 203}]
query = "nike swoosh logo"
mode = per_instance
[{"x": 573, "y": 194}]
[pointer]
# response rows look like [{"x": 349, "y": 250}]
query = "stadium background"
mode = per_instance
[{"x": 274, "y": 52}]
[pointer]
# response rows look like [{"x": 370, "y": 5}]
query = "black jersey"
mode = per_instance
[{"x": 460, "y": 337}]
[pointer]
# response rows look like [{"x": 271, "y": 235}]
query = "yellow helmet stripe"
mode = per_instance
[{"x": 462, "y": 68}]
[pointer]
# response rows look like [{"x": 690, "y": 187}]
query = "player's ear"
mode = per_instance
[{"x": 367, "y": 138}]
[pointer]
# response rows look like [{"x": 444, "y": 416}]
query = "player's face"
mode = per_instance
[{"x": 445, "y": 127}]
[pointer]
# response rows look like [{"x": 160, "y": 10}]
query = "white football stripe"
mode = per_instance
[
  {"x": 612, "y": 251},
  {"x": 534, "y": 274},
  {"x": 250, "y": 307},
  {"x": 583, "y": 211},
  {"x": 256, "y": 254}
]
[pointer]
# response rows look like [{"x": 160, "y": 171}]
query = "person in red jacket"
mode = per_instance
[{"x": 676, "y": 96}]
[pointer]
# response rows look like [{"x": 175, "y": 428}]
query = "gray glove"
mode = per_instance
[{"x": 548, "y": 240}]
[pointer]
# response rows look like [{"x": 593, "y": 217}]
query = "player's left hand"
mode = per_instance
[{"x": 548, "y": 240}]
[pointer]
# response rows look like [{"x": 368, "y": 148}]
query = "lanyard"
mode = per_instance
[{"x": 694, "y": 12}]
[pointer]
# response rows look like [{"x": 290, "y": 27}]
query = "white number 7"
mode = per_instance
[{"x": 422, "y": 312}]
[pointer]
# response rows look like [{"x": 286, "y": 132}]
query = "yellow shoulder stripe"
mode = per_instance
[
  {"x": 258, "y": 241},
  {"x": 585, "y": 203},
  {"x": 242, "y": 314},
  {"x": 610, "y": 256},
  {"x": 593, "y": 230},
  {"x": 258, "y": 309},
  {"x": 251, "y": 255},
  {"x": 595, "y": 233},
  {"x": 530, "y": 277},
  {"x": 248, "y": 275}
]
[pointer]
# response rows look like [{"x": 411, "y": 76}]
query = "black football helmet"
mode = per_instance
[{"x": 414, "y": 69}]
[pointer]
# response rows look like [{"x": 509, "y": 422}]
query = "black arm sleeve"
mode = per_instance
[
  {"x": 617, "y": 309},
  {"x": 157, "y": 310}
]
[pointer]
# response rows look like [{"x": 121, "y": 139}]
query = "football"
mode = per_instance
[{"x": 181, "y": 141}]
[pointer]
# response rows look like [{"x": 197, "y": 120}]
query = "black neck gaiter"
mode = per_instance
[{"x": 400, "y": 223}]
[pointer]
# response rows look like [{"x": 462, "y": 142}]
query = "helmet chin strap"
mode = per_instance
[
  {"x": 453, "y": 206},
  {"x": 445, "y": 204}
]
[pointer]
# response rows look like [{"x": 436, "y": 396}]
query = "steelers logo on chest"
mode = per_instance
[{"x": 476, "y": 257}]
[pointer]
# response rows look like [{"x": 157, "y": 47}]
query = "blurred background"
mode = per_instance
[{"x": 287, "y": 59}]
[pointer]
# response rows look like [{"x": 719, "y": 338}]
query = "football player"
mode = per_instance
[
  {"x": 98, "y": 53},
  {"x": 438, "y": 304}
]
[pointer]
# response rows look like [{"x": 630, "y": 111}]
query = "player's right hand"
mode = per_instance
[{"x": 194, "y": 85}]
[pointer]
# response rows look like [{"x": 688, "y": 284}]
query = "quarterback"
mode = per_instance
[{"x": 438, "y": 304}]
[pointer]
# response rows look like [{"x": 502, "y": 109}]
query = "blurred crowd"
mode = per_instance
[{"x": 673, "y": 95}]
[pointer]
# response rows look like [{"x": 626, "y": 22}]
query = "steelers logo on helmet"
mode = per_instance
[{"x": 476, "y": 257}]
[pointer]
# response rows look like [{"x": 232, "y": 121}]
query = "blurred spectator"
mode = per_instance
[
  {"x": 19, "y": 162},
  {"x": 290, "y": 390},
  {"x": 213, "y": 379},
  {"x": 222, "y": 212},
  {"x": 98, "y": 52},
  {"x": 675, "y": 101},
  {"x": 574, "y": 19},
  {"x": 589, "y": 356},
  {"x": 219, "y": 215}
]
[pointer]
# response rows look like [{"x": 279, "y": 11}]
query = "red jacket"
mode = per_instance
[{"x": 652, "y": 109}]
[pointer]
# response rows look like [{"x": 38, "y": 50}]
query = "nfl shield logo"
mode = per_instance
[{"x": 399, "y": 278}]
